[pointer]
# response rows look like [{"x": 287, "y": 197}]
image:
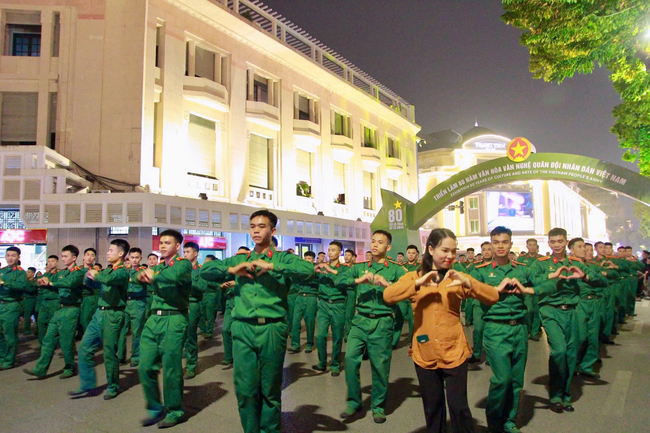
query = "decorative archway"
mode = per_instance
[{"x": 403, "y": 218}]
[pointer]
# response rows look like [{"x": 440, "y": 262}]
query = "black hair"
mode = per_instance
[
  {"x": 14, "y": 249},
  {"x": 98, "y": 264},
  {"x": 31, "y": 268},
  {"x": 470, "y": 249},
  {"x": 590, "y": 244},
  {"x": 321, "y": 253},
  {"x": 122, "y": 245},
  {"x": 144, "y": 265},
  {"x": 385, "y": 233},
  {"x": 53, "y": 256},
  {"x": 338, "y": 244},
  {"x": 211, "y": 257},
  {"x": 243, "y": 247},
  {"x": 598, "y": 243},
  {"x": 367, "y": 252},
  {"x": 400, "y": 253},
  {"x": 629, "y": 248},
  {"x": 434, "y": 240},
  {"x": 71, "y": 249},
  {"x": 90, "y": 249},
  {"x": 531, "y": 240},
  {"x": 620, "y": 248},
  {"x": 485, "y": 243},
  {"x": 557, "y": 231},
  {"x": 351, "y": 252},
  {"x": 309, "y": 254},
  {"x": 573, "y": 241},
  {"x": 192, "y": 245},
  {"x": 274, "y": 239},
  {"x": 135, "y": 250},
  {"x": 152, "y": 254},
  {"x": 178, "y": 237},
  {"x": 413, "y": 247},
  {"x": 463, "y": 255},
  {"x": 273, "y": 220},
  {"x": 609, "y": 244},
  {"x": 500, "y": 230}
]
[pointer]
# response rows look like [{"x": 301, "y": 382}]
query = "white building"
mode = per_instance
[{"x": 161, "y": 102}]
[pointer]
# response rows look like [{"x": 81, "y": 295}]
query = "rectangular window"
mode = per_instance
[
  {"x": 258, "y": 165},
  {"x": 303, "y": 108},
  {"x": 202, "y": 143},
  {"x": 368, "y": 190},
  {"x": 52, "y": 120},
  {"x": 474, "y": 226},
  {"x": 341, "y": 125},
  {"x": 204, "y": 62},
  {"x": 56, "y": 34},
  {"x": 304, "y": 167},
  {"x": 261, "y": 89},
  {"x": 19, "y": 111},
  {"x": 339, "y": 182},
  {"x": 392, "y": 185},
  {"x": 473, "y": 203},
  {"x": 23, "y": 33},
  {"x": 159, "y": 36},
  {"x": 369, "y": 137},
  {"x": 392, "y": 148}
]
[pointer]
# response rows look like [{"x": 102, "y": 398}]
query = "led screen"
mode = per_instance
[{"x": 510, "y": 209}]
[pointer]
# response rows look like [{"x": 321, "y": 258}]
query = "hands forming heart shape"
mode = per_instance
[
  {"x": 514, "y": 286},
  {"x": 252, "y": 269},
  {"x": 574, "y": 273}
]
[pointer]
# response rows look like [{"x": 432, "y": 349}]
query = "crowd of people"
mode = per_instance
[{"x": 579, "y": 298}]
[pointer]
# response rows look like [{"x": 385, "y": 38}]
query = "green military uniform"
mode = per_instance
[
  {"x": 199, "y": 286},
  {"x": 557, "y": 306},
  {"x": 14, "y": 280},
  {"x": 608, "y": 304},
  {"x": 331, "y": 313},
  {"x": 533, "y": 319},
  {"x": 29, "y": 305},
  {"x": 208, "y": 308},
  {"x": 226, "y": 326},
  {"x": 305, "y": 309},
  {"x": 104, "y": 328},
  {"x": 259, "y": 333},
  {"x": 461, "y": 267},
  {"x": 37, "y": 307},
  {"x": 163, "y": 338},
  {"x": 63, "y": 325},
  {"x": 89, "y": 301},
  {"x": 372, "y": 330},
  {"x": 505, "y": 337},
  {"x": 135, "y": 311},
  {"x": 403, "y": 313},
  {"x": 147, "y": 309},
  {"x": 620, "y": 292},
  {"x": 634, "y": 266},
  {"x": 589, "y": 321},
  {"x": 350, "y": 302},
  {"x": 49, "y": 304}
]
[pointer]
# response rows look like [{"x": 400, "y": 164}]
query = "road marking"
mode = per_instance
[
  {"x": 615, "y": 402},
  {"x": 638, "y": 328}
]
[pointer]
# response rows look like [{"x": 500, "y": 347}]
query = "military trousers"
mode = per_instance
[
  {"x": 403, "y": 313},
  {"x": 589, "y": 320},
  {"x": 506, "y": 349},
  {"x": 330, "y": 316},
  {"x": 87, "y": 311},
  {"x": 291, "y": 302},
  {"x": 208, "y": 313},
  {"x": 374, "y": 335},
  {"x": 103, "y": 330},
  {"x": 305, "y": 309},
  {"x": 134, "y": 318},
  {"x": 533, "y": 320},
  {"x": 469, "y": 311},
  {"x": 192, "y": 343},
  {"x": 631, "y": 295},
  {"x": 29, "y": 310},
  {"x": 147, "y": 310},
  {"x": 609, "y": 311},
  {"x": 9, "y": 319},
  {"x": 350, "y": 304},
  {"x": 61, "y": 330},
  {"x": 226, "y": 331},
  {"x": 561, "y": 328},
  {"x": 259, "y": 351},
  {"x": 161, "y": 345},
  {"x": 45, "y": 313},
  {"x": 479, "y": 327}
]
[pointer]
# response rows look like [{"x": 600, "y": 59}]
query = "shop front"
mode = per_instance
[{"x": 32, "y": 244}]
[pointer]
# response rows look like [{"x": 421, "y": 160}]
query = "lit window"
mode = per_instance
[
  {"x": 473, "y": 203},
  {"x": 474, "y": 226}
]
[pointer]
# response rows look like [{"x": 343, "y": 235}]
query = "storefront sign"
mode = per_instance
[
  {"x": 204, "y": 242},
  {"x": 300, "y": 240},
  {"x": 19, "y": 236}
]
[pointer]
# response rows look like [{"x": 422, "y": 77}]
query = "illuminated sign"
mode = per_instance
[
  {"x": 486, "y": 145},
  {"x": 23, "y": 236},
  {"x": 519, "y": 149}
]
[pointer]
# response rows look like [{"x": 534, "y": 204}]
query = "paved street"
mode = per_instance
[{"x": 311, "y": 402}]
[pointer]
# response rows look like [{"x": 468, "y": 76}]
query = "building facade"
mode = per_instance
[
  {"x": 529, "y": 208},
  {"x": 122, "y": 118}
]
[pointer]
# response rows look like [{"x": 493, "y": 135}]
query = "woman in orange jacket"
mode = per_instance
[{"x": 440, "y": 349}]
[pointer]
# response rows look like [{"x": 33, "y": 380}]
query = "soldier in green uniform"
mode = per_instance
[
  {"x": 559, "y": 292},
  {"x": 49, "y": 297},
  {"x": 136, "y": 306},
  {"x": 610, "y": 294},
  {"x": 331, "y": 309},
  {"x": 209, "y": 305},
  {"x": 164, "y": 333},
  {"x": 350, "y": 258},
  {"x": 635, "y": 266},
  {"x": 259, "y": 326},
  {"x": 29, "y": 301},
  {"x": 152, "y": 260},
  {"x": 505, "y": 333},
  {"x": 305, "y": 309},
  {"x": 372, "y": 327},
  {"x": 90, "y": 296},
  {"x": 474, "y": 310},
  {"x": 107, "y": 322},
  {"x": 199, "y": 286},
  {"x": 403, "y": 310},
  {"x": 13, "y": 280},
  {"x": 533, "y": 320},
  {"x": 62, "y": 328}
]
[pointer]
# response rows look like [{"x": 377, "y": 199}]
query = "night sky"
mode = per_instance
[{"x": 456, "y": 61}]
